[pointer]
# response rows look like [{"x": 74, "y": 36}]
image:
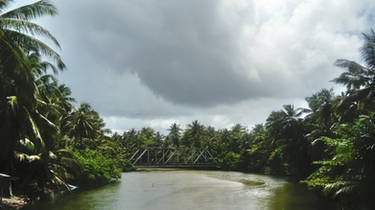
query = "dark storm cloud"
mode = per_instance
[
  {"x": 149, "y": 62},
  {"x": 181, "y": 50},
  {"x": 184, "y": 51},
  {"x": 200, "y": 53}
]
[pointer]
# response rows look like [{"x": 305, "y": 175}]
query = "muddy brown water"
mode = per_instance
[{"x": 174, "y": 189}]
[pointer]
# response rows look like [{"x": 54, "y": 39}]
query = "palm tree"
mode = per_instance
[
  {"x": 286, "y": 127},
  {"x": 284, "y": 119},
  {"x": 65, "y": 99},
  {"x": 17, "y": 80},
  {"x": 359, "y": 79},
  {"x": 44, "y": 119},
  {"x": 83, "y": 124},
  {"x": 193, "y": 134},
  {"x": 174, "y": 134},
  {"x": 322, "y": 115}
]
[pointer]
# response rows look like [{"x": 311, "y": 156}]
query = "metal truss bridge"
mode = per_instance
[{"x": 173, "y": 158}]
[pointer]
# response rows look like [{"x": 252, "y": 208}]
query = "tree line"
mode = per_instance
[{"x": 329, "y": 146}]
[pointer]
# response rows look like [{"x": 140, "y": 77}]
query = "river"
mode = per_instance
[{"x": 168, "y": 189}]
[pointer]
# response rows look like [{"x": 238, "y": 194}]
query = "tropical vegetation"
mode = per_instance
[
  {"x": 46, "y": 141},
  {"x": 329, "y": 146},
  {"x": 49, "y": 142}
]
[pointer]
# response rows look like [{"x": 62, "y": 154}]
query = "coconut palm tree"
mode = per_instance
[
  {"x": 83, "y": 125},
  {"x": 321, "y": 114},
  {"x": 359, "y": 80},
  {"x": 287, "y": 130},
  {"x": 174, "y": 134},
  {"x": 17, "y": 75},
  {"x": 285, "y": 120},
  {"x": 193, "y": 135}
]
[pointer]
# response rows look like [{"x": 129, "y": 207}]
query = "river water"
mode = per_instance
[{"x": 166, "y": 189}]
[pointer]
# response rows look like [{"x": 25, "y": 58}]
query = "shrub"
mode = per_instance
[{"x": 97, "y": 169}]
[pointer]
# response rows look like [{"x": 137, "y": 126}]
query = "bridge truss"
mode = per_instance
[{"x": 173, "y": 158}]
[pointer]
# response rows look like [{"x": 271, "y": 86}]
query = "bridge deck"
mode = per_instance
[{"x": 173, "y": 158}]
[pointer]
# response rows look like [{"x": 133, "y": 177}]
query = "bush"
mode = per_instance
[{"x": 97, "y": 169}]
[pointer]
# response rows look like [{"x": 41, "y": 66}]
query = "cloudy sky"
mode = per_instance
[{"x": 151, "y": 62}]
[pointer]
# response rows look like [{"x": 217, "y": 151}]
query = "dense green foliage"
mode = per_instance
[
  {"x": 330, "y": 146},
  {"x": 45, "y": 140},
  {"x": 48, "y": 142},
  {"x": 97, "y": 168}
]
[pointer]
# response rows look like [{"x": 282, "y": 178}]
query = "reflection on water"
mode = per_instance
[{"x": 190, "y": 189}]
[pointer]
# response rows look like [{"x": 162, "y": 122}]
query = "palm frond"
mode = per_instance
[
  {"x": 339, "y": 188},
  {"x": 27, "y": 27},
  {"x": 47, "y": 79},
  {"x": 59, "y": 180},
  {"x": 49, "y": 65},
  {"x": 31, "y": 11},
  {"x": 36, "y": 131},
  {"x": 31, "y": 44},
  {"x": 352, "y": 66},
  {"x": 355, "y": 77},
  {"x": 51, "y": 124},
  {"x": 368, "y": 49},
  {"x": 11, "y": 51}
]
